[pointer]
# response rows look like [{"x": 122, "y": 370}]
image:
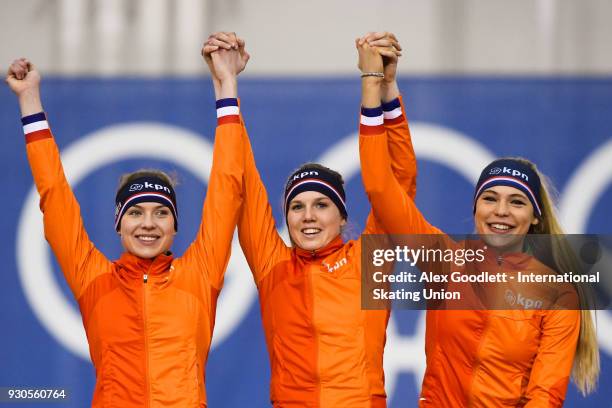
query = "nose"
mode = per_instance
[
  {"x": 147, "y": 221},
  {"x": 309, "y": 214},
  {"x": 502, "y": 208}
]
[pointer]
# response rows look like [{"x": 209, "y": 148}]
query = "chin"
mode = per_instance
[
  {"x": 310, "y": 246},
  {"x": 147, "y": 253},
  {"x": 503, "y": 242}
]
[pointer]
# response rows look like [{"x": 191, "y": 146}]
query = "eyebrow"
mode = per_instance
[
  {"x": 155, "y": 208},
  {"x": 519, "y": 195},
  {"x": 316, "y": 200}
]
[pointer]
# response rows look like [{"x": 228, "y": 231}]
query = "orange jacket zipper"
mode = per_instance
[{"x": 145, "y": 278}]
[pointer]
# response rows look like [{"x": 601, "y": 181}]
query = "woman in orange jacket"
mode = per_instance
[
  {"x": 488, "y": 358},
  {"x": 148, "y": 316},
  {"x": 325, "y": 351}
]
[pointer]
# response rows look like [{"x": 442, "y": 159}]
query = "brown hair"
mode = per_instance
[{"x": 128, "y": 177}]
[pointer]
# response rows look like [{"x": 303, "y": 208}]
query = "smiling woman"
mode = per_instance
[
  {"x": 517, "y": 357},
  {"x": 147, "y": 214},
  {"x": 325, "y": 351},
  {"x": 148, "y": 316}
]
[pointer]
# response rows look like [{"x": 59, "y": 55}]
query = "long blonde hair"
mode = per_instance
[{"x": 585, "y": 371}]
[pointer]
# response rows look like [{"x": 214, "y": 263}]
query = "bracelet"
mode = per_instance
[{"x": 372, "y": 74}]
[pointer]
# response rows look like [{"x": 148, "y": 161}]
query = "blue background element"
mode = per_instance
[{"x": 558, "y": 123}]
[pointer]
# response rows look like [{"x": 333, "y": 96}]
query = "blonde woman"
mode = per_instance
[{"x": 487, "y": 358}]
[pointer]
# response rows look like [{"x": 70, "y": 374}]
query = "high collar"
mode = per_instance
[
  {"x": 309, "y": 255},
  {"x": 134, "y": 267},
  {"x": 513, "y": 260}
]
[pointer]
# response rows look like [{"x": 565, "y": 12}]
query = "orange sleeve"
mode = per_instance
[
  {"x": 211, "y": 248},
  {"x": 262, "y": 245},
  {"x": 401, "y": 153},
  {"x": 79, "y": 260},
  {"x": 392, "y": 204},
  {"x": 551, "y": 369}
]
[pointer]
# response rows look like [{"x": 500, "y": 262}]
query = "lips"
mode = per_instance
[
  {"x": 500, "y": 227},
  {"x": 147, "y": 239},
  {"x": 309, "y": 232}
]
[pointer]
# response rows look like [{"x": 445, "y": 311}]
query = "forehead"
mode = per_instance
[
  {"x": 505, "y": 191},
  {"x": 150, "y": 205},
  {"x": 307, "y": 196}
]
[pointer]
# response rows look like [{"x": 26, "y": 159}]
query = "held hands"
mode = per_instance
[
  {"x": 225, "y": 55},
  {"x": 370, "y": 59},
  {"x": 388, "y": 47}
]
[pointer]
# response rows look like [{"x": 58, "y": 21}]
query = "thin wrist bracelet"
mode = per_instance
[{"x": 372, "y": 74}]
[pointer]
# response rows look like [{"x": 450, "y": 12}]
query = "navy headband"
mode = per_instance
[
  {"x": 512, "y": 173},
  {"x": 316, "y": 179},
  {"x": 145, "y": 190}
]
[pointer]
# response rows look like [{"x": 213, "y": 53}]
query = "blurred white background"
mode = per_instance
[{"x": 163, "y": 37}]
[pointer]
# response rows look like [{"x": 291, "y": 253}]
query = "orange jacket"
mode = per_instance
[
  {"x": 478, "y": 358},
  {"x": 148, "y": 341},
  {"x": 325, "y": 351}
]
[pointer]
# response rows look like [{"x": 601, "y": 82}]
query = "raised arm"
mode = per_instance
[
  {"x": 392, "y": 206},
  {"x": 401, "y": 151},
  {"x": 79, "y": 260},
  {"x": 212, "y": 246},
  {"x": 403, "y": 160},
  {"x": 259, "y": 238}
]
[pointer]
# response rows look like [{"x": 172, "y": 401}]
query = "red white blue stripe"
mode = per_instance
[
  {"x": 36, "y": 127},
  {"x": 371, "y": 120},
  {"x": 319, "y": 182},
  {"x": 228, "y": 111},
  {"x": 166, "y": 200},
  {"x": 392, "y": 110},
  {"x": 512, "y": 182},
  {"x": 34, "y": 123}
]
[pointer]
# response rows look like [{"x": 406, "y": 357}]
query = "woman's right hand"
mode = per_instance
[
  {"x": 370, "y": 59},
  {"x": 22, "y": 77},
  {"x": 24, "y": 80},
  {"x": 225, "y": 55}
]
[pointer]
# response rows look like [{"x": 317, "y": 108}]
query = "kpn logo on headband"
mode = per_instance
[
  {"x": 305, "y": 174},
  {"x": 508, "y": 171},
  {"x": 136, "y": 187},
  {"x": 150, "y": 186}
]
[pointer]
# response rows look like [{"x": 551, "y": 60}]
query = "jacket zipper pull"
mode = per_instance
[
  {"x": 145, "y": 278},
  {"x": 500, "y": 259}
]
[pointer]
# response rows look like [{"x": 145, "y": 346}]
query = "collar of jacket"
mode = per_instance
[
  {"x": 320, "y": 253},
  {"x": 134, "y": 267},
  {"x": 513, "y": 260}
]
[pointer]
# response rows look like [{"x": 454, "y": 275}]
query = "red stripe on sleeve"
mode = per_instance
[
  {"x": 228, "y": 119},
  {"x": 38, "y": 135},
  {"x": 371, "y": 130},
  {"x": 394, "y": 121}
]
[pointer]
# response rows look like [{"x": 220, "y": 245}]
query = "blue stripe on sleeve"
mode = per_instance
[
  {"x": 37, "y": 117},
  {"x": 222, "y": 103},
  {"x": 389, "y": 106},
  {"x": 371, "y": 112}
]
